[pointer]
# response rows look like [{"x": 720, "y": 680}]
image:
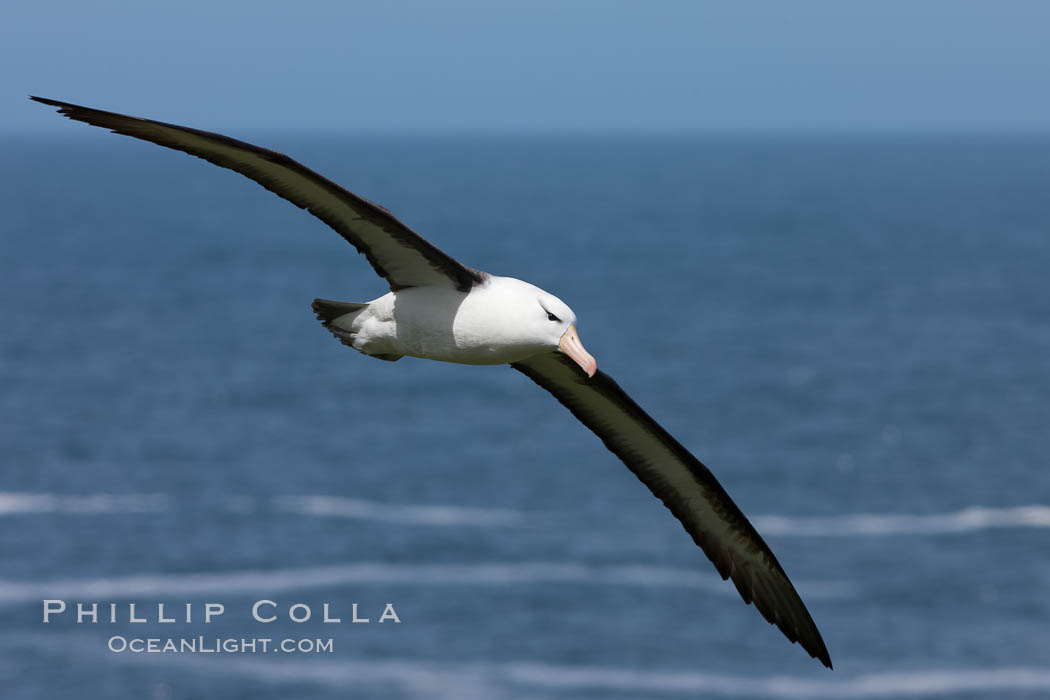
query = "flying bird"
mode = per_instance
[{"x": 440, "y": 309}]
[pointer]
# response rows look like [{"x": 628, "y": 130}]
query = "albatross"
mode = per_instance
[{"x": 440, "y": 309}]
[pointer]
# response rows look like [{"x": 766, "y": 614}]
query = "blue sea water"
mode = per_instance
[{"x": 852, "y": 332}]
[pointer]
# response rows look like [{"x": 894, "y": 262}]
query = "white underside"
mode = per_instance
[{"x": 482, "y": 327}]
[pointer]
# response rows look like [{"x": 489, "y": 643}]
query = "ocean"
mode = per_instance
[{"x": 852, "y": 332}]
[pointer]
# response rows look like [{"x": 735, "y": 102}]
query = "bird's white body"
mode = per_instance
[{"x": 501, "y": 321}]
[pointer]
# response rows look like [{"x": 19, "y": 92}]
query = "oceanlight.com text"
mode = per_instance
[{"x": 219, "y": 645}]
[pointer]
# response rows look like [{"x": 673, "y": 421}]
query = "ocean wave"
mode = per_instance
[
  {"x": 431, "y": 679},
  {"x": 969, "y": 519},
  {"x": 485, "y": 574},
  {"x": 918, "y": 683},
  {"x": 23, "y": 503},
  {"x": 338, "y": 507}
]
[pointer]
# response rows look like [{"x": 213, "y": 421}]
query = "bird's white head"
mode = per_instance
[
  {"x": 548, "y": 319},
  {"x": 522, "y": 320},
  {"x": 561, "y": 331}
]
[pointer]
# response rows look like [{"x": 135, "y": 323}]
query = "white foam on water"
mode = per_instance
[
  {"x": 918, "y": 683},
  {"x": 274, "y": 581},
  {"x": 22, "y": 503},
  {"x": 971, "y": 519},
  {"x": 429, "y": 679},
  {"x": 338, "y": 507},
  {"x": 495, "y": 680}
]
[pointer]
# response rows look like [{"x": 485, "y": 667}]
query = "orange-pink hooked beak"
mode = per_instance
[{"x": 570, "y": 345}]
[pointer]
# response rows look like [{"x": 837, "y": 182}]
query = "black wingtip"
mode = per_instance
[
  {"x": 816, "y": 648},
  {"x": 814, "y": 645},
  {"x": 66, "y": 109},
  {"x": 821, "y": 654},
  {"x": 46, "y": 101}
]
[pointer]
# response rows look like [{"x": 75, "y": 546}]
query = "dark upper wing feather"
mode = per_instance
[
  {"x": 686, "y": 487},
  {"x": 396, "y": 252}
]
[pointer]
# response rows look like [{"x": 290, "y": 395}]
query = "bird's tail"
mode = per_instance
[
  {"x": 328, "y": 311},
  {"x": 329, "y": 314}
]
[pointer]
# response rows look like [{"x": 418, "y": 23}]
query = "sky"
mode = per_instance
[{"x": 539, "y": 66}]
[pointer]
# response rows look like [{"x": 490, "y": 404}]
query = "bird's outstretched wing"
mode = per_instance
[
  {"x": 398, "y": 254},
  {"x": 686, "y": 487}
]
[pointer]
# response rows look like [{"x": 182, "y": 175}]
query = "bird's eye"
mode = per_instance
[{"x": 552, "y": 317}]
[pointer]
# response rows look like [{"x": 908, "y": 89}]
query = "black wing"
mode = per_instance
[
  {"x": 398, "y": 254},
  {"x": 685, "y": 486}
]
